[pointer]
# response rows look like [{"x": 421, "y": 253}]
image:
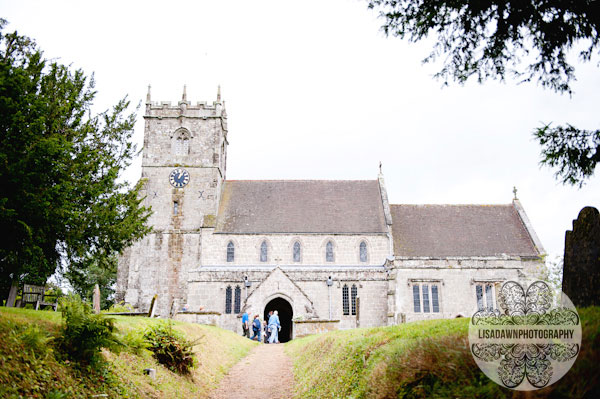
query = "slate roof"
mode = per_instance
[
  {"x": 300, "y": 206},
  {"x": 459, "y": 230}
]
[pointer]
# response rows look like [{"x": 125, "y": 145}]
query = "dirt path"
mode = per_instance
[{"x": 265, "y": 373}]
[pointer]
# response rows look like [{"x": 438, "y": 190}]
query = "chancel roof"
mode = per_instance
[
  {"x": 460, "y": 230},
  {"x": 301, "y": 206}
]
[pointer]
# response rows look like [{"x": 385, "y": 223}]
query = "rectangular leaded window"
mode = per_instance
[
  {"x": 345, "y": 301},
  {"x": 353, "y": 295},
  {"x": 425, "y": 298},
  {"x": 416, "y": 298},
  {"x": 435, "y": 302},
  {"x": 479, "y": 294},
  {"x": 228, "y": 300},
  {"x": 237, "y": 299},
  {"x": 488, "y": 297}
]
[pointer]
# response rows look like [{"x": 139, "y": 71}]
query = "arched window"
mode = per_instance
[
  {"x": 329, "y": 252},
  {"x": 296, "y": 253},
  {"x": 353, "y": 295},
  {"x": 237, "y": 299},
  {"x": 345, "y": 302},
  {"x": 230, "y": 252},
  {"x": 362, "y": 249},
  {"x": 228, "y": 300},
  {"x": 182, "y": 143},
  {"x": 264, "y": 251}
]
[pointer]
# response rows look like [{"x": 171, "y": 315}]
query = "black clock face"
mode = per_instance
[{"x": 179, "y": 177}]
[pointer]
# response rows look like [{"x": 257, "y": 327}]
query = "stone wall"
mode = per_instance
[
  {"x": 280, "y": 249},
  {"x": 456, "y": 279},
  {"x": 303, "y": 328}
]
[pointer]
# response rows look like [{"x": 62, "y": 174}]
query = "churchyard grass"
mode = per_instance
[
  {"x": 419, "y": 360},
  {"x": 31, "y": 367}
]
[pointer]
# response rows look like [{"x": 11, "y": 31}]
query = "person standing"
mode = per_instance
[
  {"x": 275, "y": 327},
  {"x": 256, "y": 327},
  {"x": 245, "y": 325}
]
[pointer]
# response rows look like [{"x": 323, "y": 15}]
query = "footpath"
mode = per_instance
[{"x": 265, "y": 373}]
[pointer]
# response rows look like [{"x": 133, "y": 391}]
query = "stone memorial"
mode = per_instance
[{"x": 581, "y": 270}]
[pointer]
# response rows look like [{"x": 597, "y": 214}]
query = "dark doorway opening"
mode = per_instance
[{"x": 285, "y": 311}]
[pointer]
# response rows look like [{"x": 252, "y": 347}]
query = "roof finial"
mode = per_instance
[
  {"x": 515, "y": 192},
  {"x": 380, "y": 172},
  {"x": 219, "y": 93},
  {"x": 184, "y": 97},
  {"x": 148, "y": 95}
]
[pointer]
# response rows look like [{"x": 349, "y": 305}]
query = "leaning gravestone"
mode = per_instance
[
  {"x": 96, "y": 299},
  {"x": 581, "y": 268}
]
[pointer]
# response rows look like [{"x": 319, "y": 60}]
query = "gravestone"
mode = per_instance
[
  {"x": 96, "y": 299},
  {"x": 581, "y": 269}
]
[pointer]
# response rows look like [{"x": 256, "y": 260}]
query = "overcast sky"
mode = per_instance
[{"x": 314, "y": 90}]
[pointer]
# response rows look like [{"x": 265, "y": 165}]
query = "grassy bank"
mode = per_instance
[
  {"x": 30, "y": 367},
  {"x": 422, "y": 360}
]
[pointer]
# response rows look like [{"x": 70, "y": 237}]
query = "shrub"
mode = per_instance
[
  {"x": 83, "y": 333},
  {"x": 134, "y": 342},
  {"x": 170, "y": 348},
  {"x": 33, "y": 338}
]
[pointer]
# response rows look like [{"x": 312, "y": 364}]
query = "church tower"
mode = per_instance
[{"x": 183, "y": 168}]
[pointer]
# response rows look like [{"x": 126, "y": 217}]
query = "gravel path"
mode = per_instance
[{"x": 265, "y": 373}]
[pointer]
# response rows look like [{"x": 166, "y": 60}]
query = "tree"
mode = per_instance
[
  {"x": 529, "y": 40},
  {"x": 62, "y": 203}
]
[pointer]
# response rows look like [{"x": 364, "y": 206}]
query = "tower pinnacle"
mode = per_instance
[
  {"x": 148, "y": 95},
  {"x": 184, "y": 96}
]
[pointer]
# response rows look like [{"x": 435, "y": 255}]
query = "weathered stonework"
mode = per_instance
[{"x": 185, "y": 259}]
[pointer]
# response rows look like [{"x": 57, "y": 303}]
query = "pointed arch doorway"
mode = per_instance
[{"x": 285, "y": 311}]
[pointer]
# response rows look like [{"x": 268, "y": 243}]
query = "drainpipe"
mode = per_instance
[{"x": 329, "y": 284}]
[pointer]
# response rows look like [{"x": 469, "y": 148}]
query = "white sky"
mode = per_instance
[{"x": 315, "y": 91}]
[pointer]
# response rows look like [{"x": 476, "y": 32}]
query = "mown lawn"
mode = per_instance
[
  {"x": 427, "y": 359},
  {"x": 30, "y": 366}
]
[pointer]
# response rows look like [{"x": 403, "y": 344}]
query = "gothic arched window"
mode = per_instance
[
  {"x": 237, "y": 299},
  {"x": 329, "y": 252},
  {"x": 230, "y": 252},
  {"x": 345, "y": 302},
  {"x": 296, "y": 253},
  {"x": 228, "y": 299},
  {"x": 264, "y": 251},
  {"x": 364, "y": 255},
  {"x": 353, "y": 295}
]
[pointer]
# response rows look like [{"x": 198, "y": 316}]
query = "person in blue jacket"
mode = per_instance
[
  {"x": 275, "y": 327},
  {"x": 256, "y": 327}
]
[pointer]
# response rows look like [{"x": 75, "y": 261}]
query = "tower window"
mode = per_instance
[
  {"x": 175, "y": 208},
  {"x": 329, "y": 252},
  {"x": 353, "y": 295},
  {"x": 345, "y": 301},
  {"x": 228, "y": 300},
  {"x": 181, "y": 142},
  {"x": 363, "y": 254},
  {"x": 230, "y": 252},
  {"x": 296, "y": 252},
  {"x": 264, "y": 248},
  {"x": 237, "y": 300}
]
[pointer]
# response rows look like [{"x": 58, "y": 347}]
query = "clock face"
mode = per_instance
[{"x": 179, "y": 177}]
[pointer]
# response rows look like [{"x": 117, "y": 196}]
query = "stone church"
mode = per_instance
[{"x": 327, "y": 254}]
